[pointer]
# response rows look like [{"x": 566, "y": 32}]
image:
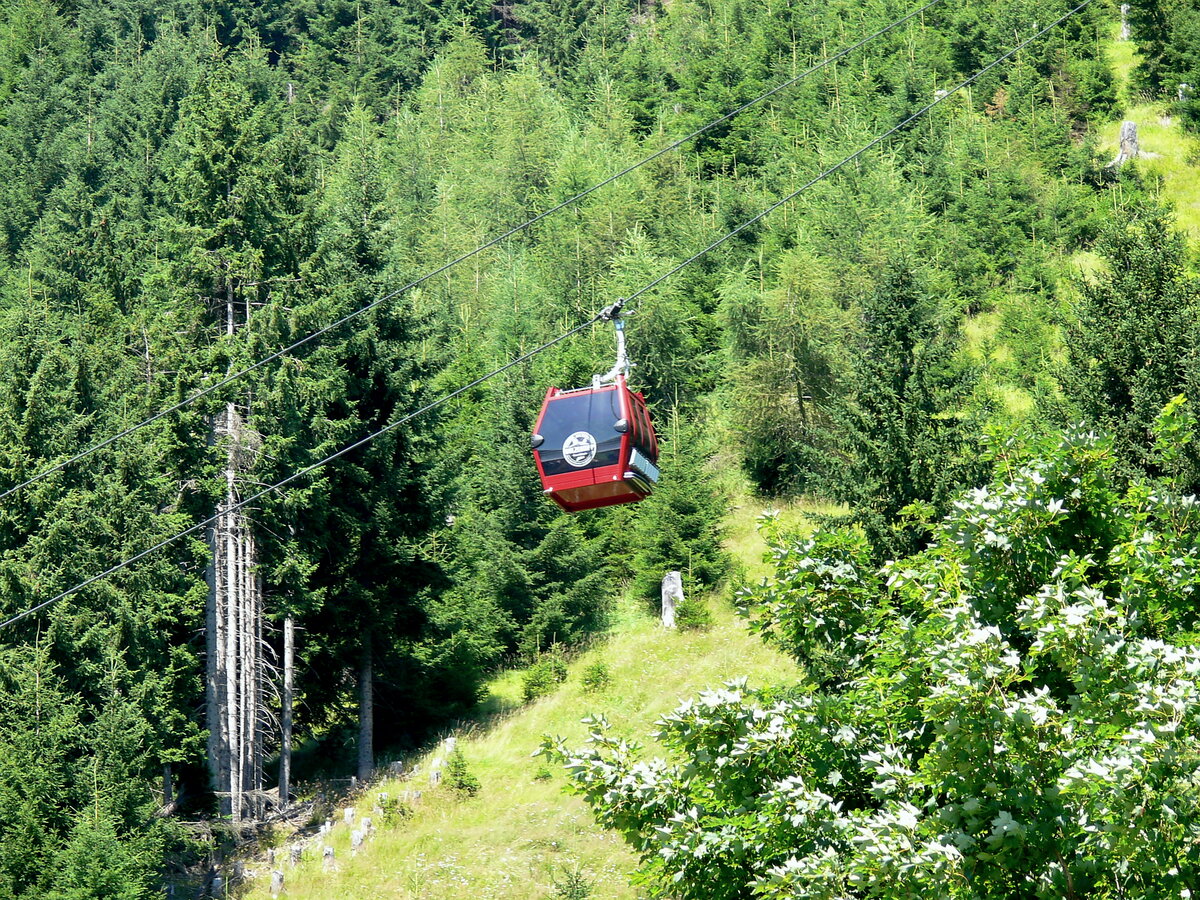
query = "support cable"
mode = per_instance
[
  {"x": 298, "y": 474},
  {"x": 606, "y": 314},
  {"x": 941, "y": 97},
  {"x": 417, "y": 282}
]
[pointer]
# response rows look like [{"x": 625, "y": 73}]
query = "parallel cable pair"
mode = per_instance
[
  {"x": 941, "y": 97},
  {"x": 417, "y": 282}
]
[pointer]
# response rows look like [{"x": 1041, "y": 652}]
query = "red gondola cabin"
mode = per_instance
[{"x": 595, "y": 447}]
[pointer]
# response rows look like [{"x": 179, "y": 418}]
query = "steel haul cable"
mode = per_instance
[
  {"x": 517, "y": 361},
  {"x": 300, "y": 473},
  {"x": 417, "y": 282}
]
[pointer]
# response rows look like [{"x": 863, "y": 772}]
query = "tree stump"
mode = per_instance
[
  {"x": 276, "y": 883},
  {"x": 672, "y": 596},
  {"x": 1129, "y": 144}
]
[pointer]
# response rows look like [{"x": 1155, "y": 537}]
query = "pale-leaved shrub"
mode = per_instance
[{"x": 1013, "y": 712}]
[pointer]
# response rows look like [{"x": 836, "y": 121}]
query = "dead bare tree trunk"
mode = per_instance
[
  {"x": 672, "y": 596},
  {"x": 234, "y": 618},
  {"x": 214, "y": 671},
  {"x": 1129, "y": 148},
  {"x": 366, "y": 711},
  {"x": 285, "y": 747},
  {"x": 232, "y": 607},
  {"x": 259, "y": 700}
]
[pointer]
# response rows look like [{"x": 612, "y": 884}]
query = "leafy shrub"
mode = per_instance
[
  {"x": 693, "y": 614},
  {"x": 573, "y": 885},
  {"x": 596, "y": 678},
  {"x": 556, "y": 660},
  {"x": 549, "y": 671},
  {"x": 538, "y": 681},
  {"x": 1015, "y": 715},
  {"x": 459, "y": 778},
  {"x": 393, "y": 811}
]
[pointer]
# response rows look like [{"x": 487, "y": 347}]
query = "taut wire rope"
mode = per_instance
[
  {"x": 607, "y": 313},
  {"x": 417, "y": 282}
]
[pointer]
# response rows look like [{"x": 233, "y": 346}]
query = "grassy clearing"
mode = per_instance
[
  {"x": 522, "y": 835},
  {"x": 743, "y": 540},
  {"x": 1160, "y": 135}
]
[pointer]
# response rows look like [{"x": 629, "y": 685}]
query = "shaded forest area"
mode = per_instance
[{"x": 192, "y": 185}]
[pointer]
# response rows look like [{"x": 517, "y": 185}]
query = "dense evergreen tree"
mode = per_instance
[
  {"x": 906, "y": 435},
  {"x": 678, "y": 526},
  {"x": 1133, "y": 346}
]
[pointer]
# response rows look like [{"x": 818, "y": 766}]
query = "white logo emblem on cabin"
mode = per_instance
[{"x": 579, "y": 449}]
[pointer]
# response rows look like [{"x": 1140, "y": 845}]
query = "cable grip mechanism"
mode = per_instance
[{"x": 612, "y": 313}]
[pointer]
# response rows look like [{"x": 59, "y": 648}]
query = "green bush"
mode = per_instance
[
  {"x": 555, "y": 660},
  {"x": 693, "y": 614},
  {"x": 459, "y": 778},
  {"x": 573, "y": 885},
  {"x": 545, "y": 675},
  {"x": 538, "y": 681},
  {"x": 393, "y": 811},
  {"x": 596, "y": 678}
]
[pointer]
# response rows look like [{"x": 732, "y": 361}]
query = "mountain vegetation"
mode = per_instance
[{"x": 192, "y": 186}]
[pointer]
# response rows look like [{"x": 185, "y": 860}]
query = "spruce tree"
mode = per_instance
[
  {"x": 905, "y": 431},
  {"x": 1133, "y": 345}
]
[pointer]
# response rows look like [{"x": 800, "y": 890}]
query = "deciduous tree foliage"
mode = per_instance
[{"x": 1010, "y": 713}]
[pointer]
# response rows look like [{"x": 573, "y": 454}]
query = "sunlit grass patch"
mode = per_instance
[
  {"x": 979, "y": 333},
  {"x": 1086, "y": 264},
  {"x": 521, "y": 835},
  {"x": 1122, "y": 56},
  {"x": 746, "y": 543},
  {"x": 1169, "y": 148}
]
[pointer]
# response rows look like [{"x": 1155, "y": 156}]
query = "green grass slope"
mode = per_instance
[
  {"x": 522, "y": 837},
  {"x": 1172, "y": 154}
]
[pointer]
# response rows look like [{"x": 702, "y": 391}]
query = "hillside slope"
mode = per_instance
[
  {"x": 522, "y": 837},
  {"x": 1170, "y": 153}
]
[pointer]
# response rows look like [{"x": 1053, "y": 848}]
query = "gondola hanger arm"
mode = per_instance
[{"x": 622, "y": 365}]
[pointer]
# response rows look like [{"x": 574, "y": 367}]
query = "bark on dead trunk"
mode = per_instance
[
  {"x": 1129, "y": 148},
  {"x": 672, "y": 596},
  {"x": 214, "y": 674},
  {"x": 232, "y": 626},
  {"x": 285, "y": 748},
  {"x": 366, "y": 712}
]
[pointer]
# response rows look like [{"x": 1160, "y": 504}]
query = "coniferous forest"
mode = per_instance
[{"x": 976, "y": 339}]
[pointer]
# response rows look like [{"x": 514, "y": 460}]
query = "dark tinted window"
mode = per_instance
[
  {"x": 644, "y": 440},
  {"x": 584, "y": 418}
]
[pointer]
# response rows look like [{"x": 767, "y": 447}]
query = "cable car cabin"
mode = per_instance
[{"x": 595, "y": 447}]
